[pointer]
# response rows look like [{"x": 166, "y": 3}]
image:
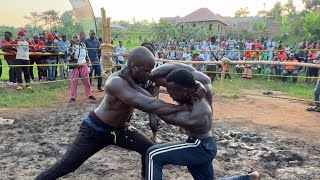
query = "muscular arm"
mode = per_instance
[
  {"x": 190, "y": 120},
  {"x": 125, "y": 74},
  {"x": 164, "y": 70},
  {"x": 120, "y": 89}
]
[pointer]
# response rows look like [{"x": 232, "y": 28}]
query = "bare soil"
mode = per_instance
[{"x": 276, "y": 137}]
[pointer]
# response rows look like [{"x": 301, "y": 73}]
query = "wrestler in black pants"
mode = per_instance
[{"x": 90, "y": 140}]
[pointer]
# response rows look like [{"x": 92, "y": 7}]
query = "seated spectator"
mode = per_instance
[
  {"x": 290, "y": 69},
  {"x": 248, "y": 54},
  {"x": 79, "y": 54},
  {"x": 272, "y": 68},
  {"x": 282, "y": 55},
  {"x": 235, "y": 54}
]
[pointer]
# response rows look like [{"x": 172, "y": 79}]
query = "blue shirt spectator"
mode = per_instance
[
  {"x": 92, "y": 45},
  {"x": 63, "y": 45}
]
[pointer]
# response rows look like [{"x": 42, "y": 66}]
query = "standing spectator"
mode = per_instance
[
  {"x": 241, "y": 44},
  {"x": 7, "y": 46},
  {"x": 231, "y": 43},
  {"x": 36, "y": 46},
  {"x": 82, "y": 37},
  {"x": 50, "y": 47},
  {"x": 22, "y": 58},
  {"x": 316, "y": 98},
  {"x": 249, "y": 45},
  {"x": 270, "y": 45},
  {"x": 120, "y": 49},
  {"x": 63, "y": 48},
  {"x": 290, "y": 69},
  {"x": 257, "y": 45},
  {"x": 78, "y": 52},
  {"x": 93, "y": 44}
]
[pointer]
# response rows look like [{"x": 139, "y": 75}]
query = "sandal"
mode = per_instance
[{"x": 312, "y": 108}]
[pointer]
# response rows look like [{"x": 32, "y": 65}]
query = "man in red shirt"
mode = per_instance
[
  {"x": 290, "y": 69},
  {"x": 36, "y": 46},
  {"x": 8, "y": 46}
]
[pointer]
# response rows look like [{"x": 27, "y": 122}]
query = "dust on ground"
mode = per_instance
[{"x": 276, "y": 137}]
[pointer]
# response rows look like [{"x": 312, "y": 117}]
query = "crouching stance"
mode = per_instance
[{"x": 199, "y": 150}]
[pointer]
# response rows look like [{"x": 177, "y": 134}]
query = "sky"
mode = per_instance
[{"x": 13, "y": 11}]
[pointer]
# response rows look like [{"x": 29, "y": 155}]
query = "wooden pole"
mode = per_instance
[{"x": 106, "y": 47}]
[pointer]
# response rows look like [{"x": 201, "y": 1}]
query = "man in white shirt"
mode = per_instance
[
  {"x": 270, "y": 46},
  {"x": 120, "y": 49},
  {"x": 22, "y": 58}
]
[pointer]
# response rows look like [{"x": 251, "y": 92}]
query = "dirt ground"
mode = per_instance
[{"x": 276, "y": 137}]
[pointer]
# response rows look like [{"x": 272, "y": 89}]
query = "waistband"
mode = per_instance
[
  {"x": 93, "y": 121},
  {"x": 193, "y": 139}
]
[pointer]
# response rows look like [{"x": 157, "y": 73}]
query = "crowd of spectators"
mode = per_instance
[
  {"x": 52, "y": 55},
  {"x": 261, "y": 49}
]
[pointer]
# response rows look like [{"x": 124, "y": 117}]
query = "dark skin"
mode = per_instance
[
  {"x": 121, "y": 99},
  {"x": 36, "y": 40},
  {"x": 159, "y": 77},
  {"x": 8, "y": 37},
  {"x": 197, "y": 119}
]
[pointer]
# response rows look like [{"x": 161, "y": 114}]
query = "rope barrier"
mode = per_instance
[
  {"x": 49, "y": 82},
  {"x": 208, "y": 63},
  {"x": 168, "y": 50},
  {"x": 244, "y": 62}
]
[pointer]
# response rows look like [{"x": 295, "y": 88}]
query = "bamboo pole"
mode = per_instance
[{"x": 106, "y": 47}]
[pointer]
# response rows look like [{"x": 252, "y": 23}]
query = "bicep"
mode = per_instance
[{"x": 123, "y": 91}]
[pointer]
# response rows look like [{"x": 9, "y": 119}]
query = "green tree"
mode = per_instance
[
  {"x": 289, "y": 8},
  {"x": 35, "y": 18},
  {"x": 311, "y": 5},
  {"x": 50, "y": 17},
  {"x": 69, "y": 24},
  {"x": 276, "y": 10},
  {"x": 311, "y": 25},
  {"x": 261, "y": 26},
  {"x": 242, "y": 12}
]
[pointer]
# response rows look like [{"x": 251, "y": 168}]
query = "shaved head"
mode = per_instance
[
  {"x": 141, "y": 62},
  {"x": 140, "y": 56}
]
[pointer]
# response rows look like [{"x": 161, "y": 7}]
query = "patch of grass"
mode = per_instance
[
  {"x": 41, "y": 95},
  {"x": 236, "y": 87}
]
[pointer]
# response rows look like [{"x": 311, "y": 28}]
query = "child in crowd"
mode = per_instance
[{"x": 247, "y": 72}]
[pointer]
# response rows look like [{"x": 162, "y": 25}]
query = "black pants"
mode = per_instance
[
  {"x": 89, "y": 141},
  {"x": 0, "y": 67},
  {"x": 23, "y": 68},
  {"x": 12, "y": 70}
]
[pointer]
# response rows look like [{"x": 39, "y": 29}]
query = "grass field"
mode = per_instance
[{"x": 44, "y": 94}]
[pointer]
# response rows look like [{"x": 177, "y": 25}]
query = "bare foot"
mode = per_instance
[
  {"x": 254, "y": 176},
  {"x": 156, "y": 139}
]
